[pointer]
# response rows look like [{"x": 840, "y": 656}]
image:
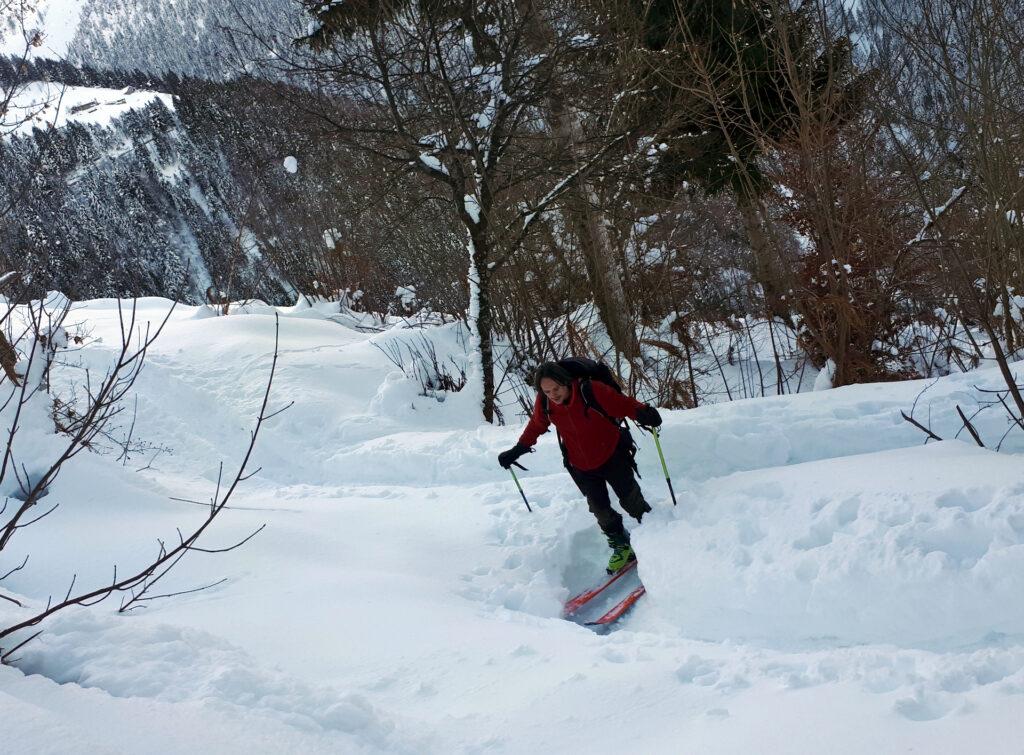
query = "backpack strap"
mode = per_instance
[{"x": 590, "y": 401}]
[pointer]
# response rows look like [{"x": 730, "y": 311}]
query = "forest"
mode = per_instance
[{"x": 800, "y": 189}]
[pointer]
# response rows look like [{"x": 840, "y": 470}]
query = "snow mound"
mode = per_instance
[
  {"x": 171, "y": 664},
  {"x": 916, "y": 547}
]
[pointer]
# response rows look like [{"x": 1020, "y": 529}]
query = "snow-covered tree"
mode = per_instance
[{"x": 456, "y": 93}]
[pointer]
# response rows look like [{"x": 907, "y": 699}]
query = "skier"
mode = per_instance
[{"x": 596, "y": 449}]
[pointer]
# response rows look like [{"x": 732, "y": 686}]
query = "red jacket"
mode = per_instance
[{"x": 590, "y": 438}]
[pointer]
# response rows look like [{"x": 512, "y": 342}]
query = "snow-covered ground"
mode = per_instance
[
  {"x": 55, "y": 20},
  {"x": 827, "y": 583},
  {"x": 44, "y": 105}
]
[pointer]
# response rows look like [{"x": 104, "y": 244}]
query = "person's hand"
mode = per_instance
[
  {"x": 648, "y": 416},
  {"x": 508, "y": 458}
]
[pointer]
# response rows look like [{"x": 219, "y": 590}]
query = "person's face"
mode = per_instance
[{"x": 554, "y": 390}]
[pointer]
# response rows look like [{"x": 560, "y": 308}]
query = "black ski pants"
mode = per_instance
[{"x": 617, "y": 472}]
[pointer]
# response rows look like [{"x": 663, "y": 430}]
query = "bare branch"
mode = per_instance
[
  {"x": 138, "y": 582},
  {"x": 15, "y": 569},
  {"x": 6, "y": 657},
  {"x": 969, "y": 426},
  {"x": 920, "y": 427}
]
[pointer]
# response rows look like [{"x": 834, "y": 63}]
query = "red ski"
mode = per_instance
[
  {"x": 618, "y": 610},
  {"x": 575, "y": 604}
]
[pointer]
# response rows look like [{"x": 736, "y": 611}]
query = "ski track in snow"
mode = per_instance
[{"x": 825, "y": 582}]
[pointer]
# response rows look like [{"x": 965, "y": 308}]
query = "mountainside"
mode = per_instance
[
  {"x": 189, "y": 37},
  {"x": 124, "y": 203},
  {"x": 132, "y": 189}
]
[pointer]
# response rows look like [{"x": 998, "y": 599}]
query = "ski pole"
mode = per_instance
[
  {"x": 664, "y": 466},
  {"x": 513, "y": 472}
]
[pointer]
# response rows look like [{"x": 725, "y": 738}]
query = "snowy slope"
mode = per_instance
[
  {"x": 57, "y": 20},
  {"x": 195, "y": 37},
  {"x": 47, "y": 105},
  {"x": 203, "y": 38},
  {"x": 826, "y": 583}
]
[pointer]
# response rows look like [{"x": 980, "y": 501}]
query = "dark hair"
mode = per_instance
[{"x": 552, "y": 370}]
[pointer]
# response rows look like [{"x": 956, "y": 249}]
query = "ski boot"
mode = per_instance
[{"x": 622, "y": 552}]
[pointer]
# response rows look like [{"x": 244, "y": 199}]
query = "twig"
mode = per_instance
[
  {"x": 5, "y": 658},
  {"x": 15, "y": 569},
  {"x": 166, "y": 559},
  {"x": 969, "y": 426},
  {"x": 175, "y": 594},
  {"x": 921, "y": 427}
]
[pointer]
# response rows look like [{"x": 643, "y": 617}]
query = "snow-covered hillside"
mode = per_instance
[
  {"x": 826, "y": 583},
  {"x": 56, "y": 20},
  {"x": 189, "y": 37},
  {"x": 46, "y": 105}
]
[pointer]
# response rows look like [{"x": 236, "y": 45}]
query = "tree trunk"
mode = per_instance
[
  {"x": 481, "y": 314},
  {"x": 613, "y": 307},
  {"x": 1004, "y": 298},
  {"x": 750, "y": 211},
  {"x": 591, "y": 230},
  {"x": 588, "y": 221}
]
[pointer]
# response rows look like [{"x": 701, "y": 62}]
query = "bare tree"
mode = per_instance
[
  {"x": 956, "y": 83},
  {"x": 454, "y": 93},
  {"x": 39, "y": 334}
]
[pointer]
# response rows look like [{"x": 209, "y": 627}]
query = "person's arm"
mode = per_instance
[
  {"x": 621, "y": 406},
  {"x": 617, "y": 405},
  {"x": 537, "y": 426}
]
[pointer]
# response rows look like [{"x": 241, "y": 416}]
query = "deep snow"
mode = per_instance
[{"x": 827, "y": 583}]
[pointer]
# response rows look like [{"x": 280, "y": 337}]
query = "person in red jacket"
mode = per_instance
[{"x": 598, "y": 451}]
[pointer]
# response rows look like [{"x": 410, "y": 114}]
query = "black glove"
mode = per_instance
[
  {"x": 647, "y": 415},
  {"x": 508, "y": 458}
]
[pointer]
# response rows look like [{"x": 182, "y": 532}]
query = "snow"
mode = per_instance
[
  {"x": 826, "y": 583},
  {"x": 406, "y": 296},
  {"x": 472, "y": 205},
  {"x": 48, "y": 105},
  {"x": 58, "y": 21},
  {"x": 331, "y": 237},
  {"x": 291, "y": 164},
  {"x": 433, "y": 162},
  {"x": 936, "y": 213},
  {"x": 915, "y": 548},
  {"x": 823, "y": 381}
]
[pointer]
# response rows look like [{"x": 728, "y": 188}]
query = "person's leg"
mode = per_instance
[
  {"x": 618, "y": 471},
  {"x": 593, "y": 486},
  {"x": 596, "y": 491}
]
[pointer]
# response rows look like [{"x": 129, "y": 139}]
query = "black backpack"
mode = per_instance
[{"x": 587, "y": 370}]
